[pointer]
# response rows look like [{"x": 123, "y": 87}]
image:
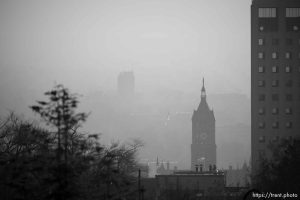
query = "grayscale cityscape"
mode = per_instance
[{"x": 149, "y": 99}]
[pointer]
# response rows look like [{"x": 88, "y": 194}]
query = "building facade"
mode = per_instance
[
  {"x": 275, "y": 74},
  {"x": 203, "y": 147},
  {"x": 126, "y": 84},
  {"x": 191, "y": 185}
]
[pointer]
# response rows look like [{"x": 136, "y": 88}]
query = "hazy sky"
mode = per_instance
[
  {"x": 169, "y": 44},
  {"x": 85, "y": 44}
]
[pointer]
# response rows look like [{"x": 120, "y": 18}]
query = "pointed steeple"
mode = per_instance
[{"x": 203, "y": 92}]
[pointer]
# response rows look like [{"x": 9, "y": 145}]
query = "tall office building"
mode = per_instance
[
  {"x": 126, "y": 84},
  {"x": 275, "y": 74},
  {"x": 203, "y": 147}
]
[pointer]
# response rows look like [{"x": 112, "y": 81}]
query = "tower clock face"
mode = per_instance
[{"x": 203, "y": 136}]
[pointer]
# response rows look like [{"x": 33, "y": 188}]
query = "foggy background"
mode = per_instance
[{"x": 168, "y": 44}]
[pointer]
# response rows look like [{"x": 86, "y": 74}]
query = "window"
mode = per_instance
[
  {"x": 288, "y": 69},
  {"x": 275, "y": 125},
  {"x": 261, "y": 153},
  {"x": 261, "y": 69},
  {"x": 289, "y": 83},
  {"x": 275, "y": 97},
  {"x": 261, "y": 83},
  {"x": 261, "y": 125},
  {"x": 274, "y": 69},
  {"x": 261, "y": 111},
  {"x": 261, "y": 55},
  {"x": 261, "y": 41},
  {"x": 276, "y": 139},
  {"x": 289, "y": 41},
  {"x": 275, "y": 111},
  {"x": 288, "y": 111},
  {"x": 288, "y": 55},
  {"x": 292, "y": 12},
  {"x": 261, "y": 139},
  {"x": 275, "y": 41},
  {"x": 289, "y": 97},
  {"x": 266, "y": 12},
  {"x": 275, "y": 83},
  {"x": 261, "y": 97},
  {"x": 274, "y": 55},
  {"x": 261, "y": 28},
  {"x": 288, "y": 124},
  {"x": 295, "y": 28}
]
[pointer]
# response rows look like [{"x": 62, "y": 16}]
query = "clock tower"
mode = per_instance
[{"x": 203, "y": 147}]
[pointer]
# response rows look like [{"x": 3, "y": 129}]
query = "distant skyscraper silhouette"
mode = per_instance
[
  {"x": 275, "y": 74},
  {"x": 203, "y": 147},
  {"x": 126, "y": 84}
]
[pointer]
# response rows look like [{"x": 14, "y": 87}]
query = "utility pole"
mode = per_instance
[{"x": 139, "y": 184}]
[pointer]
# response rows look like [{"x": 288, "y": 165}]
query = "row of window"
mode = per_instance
[
  {"x": 275, "y": 55},
  {"x": 272, "y": 12},
  {"x": 262, "y": 139},
  {"x": 276, "y": 41},
  {"x": 275, "y": 111},
  {"x": 275, "y": 97},
  {"x": 275, "y": 83},
  {"x": 291, "y": 27},
  {"x": 275, "y": 69},
  {"x": 275, "y": 125}
]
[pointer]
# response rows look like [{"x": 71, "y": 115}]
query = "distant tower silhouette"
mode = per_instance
[
  {"x": 126, "y": 84},
  {"x": 203, "y": 147}
]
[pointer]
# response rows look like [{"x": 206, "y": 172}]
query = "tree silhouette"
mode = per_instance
[{"x": 281, "y": 172}]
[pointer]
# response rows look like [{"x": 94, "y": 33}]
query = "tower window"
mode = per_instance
[
  {"x": 261, "y": 139},
  {"x": 274, "y": 69},
  {"x": 274, "y": 55},
  {"x": 288, "y": 111},
  {"x": 266, "y": 12},
  {"x": 275, "y": 125},
  {"x": 261, "y": 42},
  {"x": 261, "y": 125},
  {"x": 275, "y": 83},
  {"x": 288, "y": 55},
  {"x": 261, "y": 83},
  {"x": 292, "y": 12},
  {"x": 288, "y": 124},
  {"x": 262, "y": 97},
  {"x": 261, "y": 69},
  {"x": 261, "y": 111},
  {"x": 275, "y": 111},
  {"x": 261, "y": 55},
  {"x": 288, "y": 69},
  {"x": 275, "y": 97}
]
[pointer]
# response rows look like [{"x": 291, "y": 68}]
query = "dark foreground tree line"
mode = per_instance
[
  {"x": 280, "y": 174},
  {"x": 61, "y": 162}
]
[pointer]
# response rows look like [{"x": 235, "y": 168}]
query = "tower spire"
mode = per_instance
[{"x": 203, "y": 92}]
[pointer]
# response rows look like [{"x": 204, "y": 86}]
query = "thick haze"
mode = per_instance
[{"x": 169, "y": 44}]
